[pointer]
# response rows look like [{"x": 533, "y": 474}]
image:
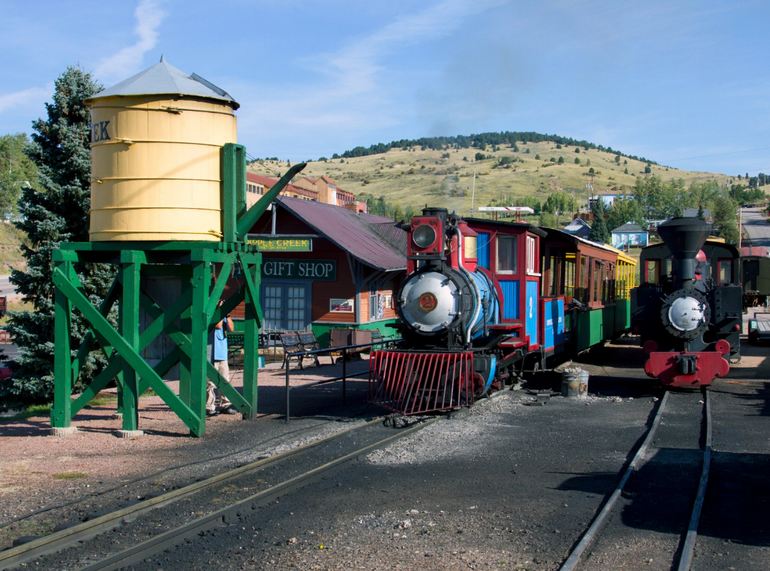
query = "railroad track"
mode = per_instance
[
  {"x": 656, "y": 494},
  {"x": 81, "y": 505},
  {"x": 233, "y": 492}
]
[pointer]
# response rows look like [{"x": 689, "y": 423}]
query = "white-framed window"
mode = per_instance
[
  {"x": 376, "y": 304},
  {"x": 254, "y": 188},
  {"x": 531, "y": 258},
  {"x": 506, "y": 254}
]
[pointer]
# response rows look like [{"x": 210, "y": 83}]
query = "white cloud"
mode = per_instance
[
  {"x": 128, "y": 60},
  {"x": 354, "y": 69},
  {"x": 351, "y": 92},
  {"x": 32, "y": 96}
]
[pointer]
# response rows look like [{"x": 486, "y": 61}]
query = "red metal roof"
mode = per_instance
[
  {"x": 758, "y": 251},
  {"x": 374, "y": 240}
]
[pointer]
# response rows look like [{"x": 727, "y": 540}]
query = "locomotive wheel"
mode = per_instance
[{"x": 478, "y": 386}]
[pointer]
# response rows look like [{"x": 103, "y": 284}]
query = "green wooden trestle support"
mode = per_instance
[{"x": 202, "y": 269}]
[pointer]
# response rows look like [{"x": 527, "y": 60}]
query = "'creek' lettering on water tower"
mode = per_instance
[{"x": 318, "y": 270}]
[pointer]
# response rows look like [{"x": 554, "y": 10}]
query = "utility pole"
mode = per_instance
[{"x": 473, "y": 193}]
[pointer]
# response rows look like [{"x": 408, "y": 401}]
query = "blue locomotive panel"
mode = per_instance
[
  {"x": 554, "y": 323},
  {"x": 510, "y": 299},
  {"x": 532, "y": 309},
  {"x": 482, "y": 250}
]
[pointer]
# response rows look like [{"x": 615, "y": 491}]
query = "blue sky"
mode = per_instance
[{"x": 685, "y": 83}]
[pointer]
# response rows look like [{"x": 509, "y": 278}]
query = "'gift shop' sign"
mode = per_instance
[{"x": 321, "y": 270}]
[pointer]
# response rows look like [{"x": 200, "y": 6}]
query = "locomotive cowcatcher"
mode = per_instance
[{"x": 688, "y": 307}]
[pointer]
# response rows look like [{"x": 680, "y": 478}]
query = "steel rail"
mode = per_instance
[
  {"x": 593, "y": 530},
  {"x": 66, "y": 537},
  {"x": 688, "y": 549},
  {"x": 170, "y": 538}
]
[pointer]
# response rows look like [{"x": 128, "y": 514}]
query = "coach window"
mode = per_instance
[
  {"x": 609, "y": 275},
  {"x": 546, "y": 284},
  {"x": 597, "y": 281},
  {"x": 470, "y": 247},
  {"x": 725, "y": 272},
  {"x": 651, "y": 272},
  {"x": 569, "y": 276},
  {"x": 506, "y": 254},
  {"x": 531, "y": 269},
  {"x": 555, "y": 282},
  {"x": 667, "y": 269},
  {"x": 584, "y": 279}
]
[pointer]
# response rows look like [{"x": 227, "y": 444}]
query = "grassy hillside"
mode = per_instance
[
  {"x": 10, "y": 248},
  {"x": 415, "y": 177}
]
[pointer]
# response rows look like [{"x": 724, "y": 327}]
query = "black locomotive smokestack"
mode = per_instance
[{"x": 684, "y": 237}]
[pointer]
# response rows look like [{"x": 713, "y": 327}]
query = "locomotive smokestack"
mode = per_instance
[
  {"x": 684, "y": 237},
  {"x": 441, "y": 213}
]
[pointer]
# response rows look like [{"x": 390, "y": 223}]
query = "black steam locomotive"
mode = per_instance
[{"x": 688, "y": 306}]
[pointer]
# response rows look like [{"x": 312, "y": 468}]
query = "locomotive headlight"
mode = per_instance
[
  {"x": 423, "y": 236},
  {"x": 427, "y": 302},
  {"x": 686, "y": 314}
]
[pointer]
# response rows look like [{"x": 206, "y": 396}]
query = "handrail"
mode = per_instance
[
  {"x": 336, "y": 348},
  {"x": 344, "y": 377}
]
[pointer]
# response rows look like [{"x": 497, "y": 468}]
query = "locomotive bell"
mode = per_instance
[{"x": 684, "y": 237}]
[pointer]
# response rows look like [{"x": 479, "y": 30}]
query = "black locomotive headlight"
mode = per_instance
[{"x": 423, "y": 236}]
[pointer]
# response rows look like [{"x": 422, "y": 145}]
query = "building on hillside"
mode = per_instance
[
  {"x": 629, "y": 235},
  {"x": 326, "y": 267},
  {"x": 319, "y": 189},
  {"x": 607, "y": 199},
  {"x": 257, "y": 185},
  {"x": 578, "y": 227}
]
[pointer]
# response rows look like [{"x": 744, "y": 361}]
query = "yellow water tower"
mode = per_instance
[{"x": 155, "y": 157}]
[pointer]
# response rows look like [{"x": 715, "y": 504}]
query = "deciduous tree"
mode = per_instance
[{"x": 17, "y": 171}]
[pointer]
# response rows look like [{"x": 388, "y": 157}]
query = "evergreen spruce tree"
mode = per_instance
[
  {"x": 599, "y": 232},
  {"x": 52, "y": 211}
]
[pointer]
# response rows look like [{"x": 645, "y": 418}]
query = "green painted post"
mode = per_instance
[
  {"x": 201, "y": 282},
  {"x": 120, "y": 385},
  {"x": 106, "y": 331},
  {"x": 251, "y": 344},
  {"x": 130, "y": 269},
  {"x": 61, "y": 412},
  {"x": 230, "y": 178},
  {"x": 185, "y": 376},
  {"x": 240, "y": 181},
  {"x": 185, "y": 379}
]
